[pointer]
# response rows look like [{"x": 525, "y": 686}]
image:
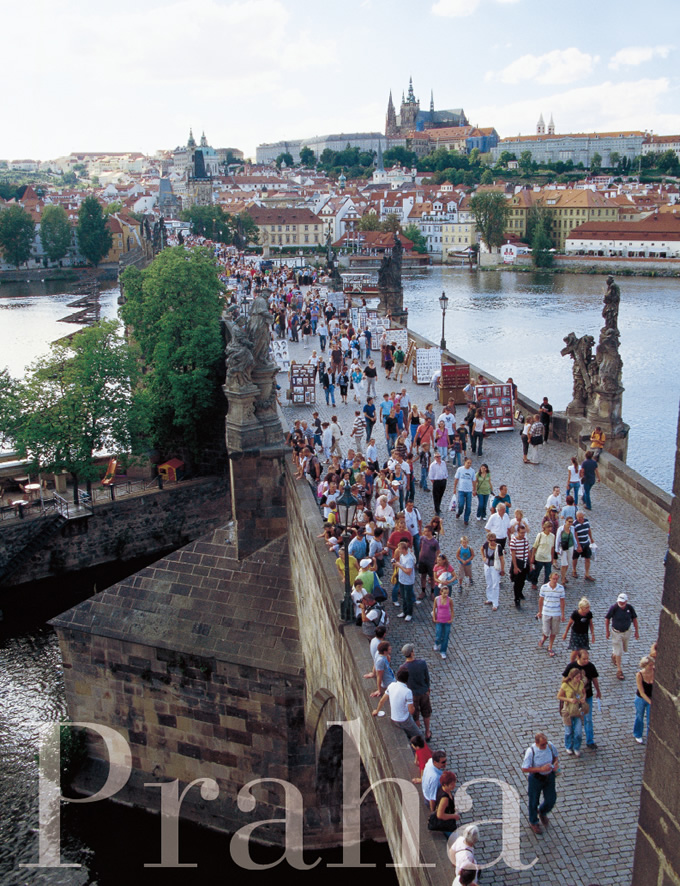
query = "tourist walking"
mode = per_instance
[
  {"x": 406, "y": 562},
  {"x": 462, "y": 854},
  {"x": 540, "y": 764},
  {"x": 478, "y": 432},
  {"x": 564, "y": 544},
  {"x": 427, "y": 558},
  {"x": 464, "y": 487},
  {"x": 591, "y": 675},
  {"x": 370, "y": 374},
  {"x": 580, "y": 623},
  {"x": 545, "y": 411},
  {"x": 442, "y": 615},
  {"x": 574, "y": 478},
  {"x": 484, "y": 490},
  {"x": 494, "y": 568},
  {"x": 583, "y": 539},
  {"x": 590, "y": 474},
  {"x": 542, "y": 554},
  {"x": 550, "y": 611},
  {"x": 535, "y": 441},
  {"x": 519, "y": 552},
  {"x": 438, "y": 475},
  {"x": 465, "y": 555},
  {"x": 644, "y": 681},
  {"x": 621, "y": 617},
  {"x": 445, "y": 818},
  {"x": 524, "y": 436},
  {"x": 571, "y": 694}
]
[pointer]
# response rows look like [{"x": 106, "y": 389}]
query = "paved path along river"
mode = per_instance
[{"x": 497, "y": 688}]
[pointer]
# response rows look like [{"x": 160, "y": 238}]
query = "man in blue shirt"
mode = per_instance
[
  {"x": 589, "y": 474},
  {"x": 465, "y": 486},
  {"x": 540, "y": 764},
  {"x": 369, "y": 415}
]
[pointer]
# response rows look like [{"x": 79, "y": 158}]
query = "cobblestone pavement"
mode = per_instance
[{"x": 497, "y": 688}]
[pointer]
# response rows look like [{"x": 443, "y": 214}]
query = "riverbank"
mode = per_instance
[
  {"x": 592, "y": 264},
  {"x": 67, "y": 275}
]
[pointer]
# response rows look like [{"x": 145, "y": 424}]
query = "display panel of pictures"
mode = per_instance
[
  {"x": 497, "y": 404},
  {"x": 302, "y": 384},
  {"x": 428, "y": 361},
  {"x": 278, "y": 351}
]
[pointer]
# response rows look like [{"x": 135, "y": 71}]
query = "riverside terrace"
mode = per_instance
[{"x": 497, "y": 688}]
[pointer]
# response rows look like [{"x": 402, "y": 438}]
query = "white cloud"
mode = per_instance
[
  {"x": 637, "y": 55},
  {"x": 561, "y": 66},
  {"x": 455, "y": 8}
]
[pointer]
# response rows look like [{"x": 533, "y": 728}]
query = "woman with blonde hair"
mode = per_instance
[
  {"x": 644, "y": 681},
  {"x": 580, "y": 622},
  {"x": 572, "y": 694}
]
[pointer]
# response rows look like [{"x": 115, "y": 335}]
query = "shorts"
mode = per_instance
[
  {"x": 564, "y": 558},
  {"x": 620, "y": 641},
  {"x": 551, "y": 625},
  {"x": 585, "y": 552},
  {"x": 426, "y": 569},
  {"x": 422, "y": 706}
]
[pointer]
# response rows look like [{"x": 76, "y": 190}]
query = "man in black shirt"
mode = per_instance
[
  {"x": 591, "y": 674},
  {"x": 419, "y": 684},
  {"x": 546, "y": 411},
  {"x": 621, "y": 617}
]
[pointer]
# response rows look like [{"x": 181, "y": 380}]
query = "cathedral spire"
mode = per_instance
[
  {"x": 379, "y": 165},
  {"x": 411, "y": 97},
  {"x": 192, "y": 141},
  {"x": 391, "y": 119}
]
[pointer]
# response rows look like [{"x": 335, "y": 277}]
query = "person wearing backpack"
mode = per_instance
[{"x": 540, "y": 765}]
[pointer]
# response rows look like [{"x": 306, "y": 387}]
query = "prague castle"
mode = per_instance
[{"x": 411, "y": 119}]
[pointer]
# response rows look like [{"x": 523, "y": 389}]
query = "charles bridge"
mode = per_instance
[{"x": 227, "y": 660}]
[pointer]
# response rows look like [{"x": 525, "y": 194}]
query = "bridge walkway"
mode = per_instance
[{"x": 497, "y": 688}]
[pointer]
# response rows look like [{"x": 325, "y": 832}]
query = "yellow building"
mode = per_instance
[
  {"x": 126, "y": 233},
  {"x": 569, "y": 209},
  {"x": 461, "y": 233},
  {"x": 287, "y": 227}
]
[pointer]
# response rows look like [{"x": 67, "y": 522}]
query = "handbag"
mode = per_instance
[
  {"x": 536, "y": 440},
  {"x": 497, "y": 564}
]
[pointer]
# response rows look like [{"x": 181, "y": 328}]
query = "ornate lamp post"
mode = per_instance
[
  {"x": 348, "y": 503},
  {"x": 443, "y": 303}
]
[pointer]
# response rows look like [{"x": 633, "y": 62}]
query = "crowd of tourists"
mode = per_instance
[{"x": 398, "y": 558}]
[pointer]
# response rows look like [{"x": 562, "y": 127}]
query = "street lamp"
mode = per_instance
[
  {"x": 443, "y": 303},
  {"x": 348, "y": 503}
]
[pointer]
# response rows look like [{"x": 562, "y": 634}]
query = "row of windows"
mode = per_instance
[
  {"x": 292, "y": 238},
  {"x": 272, "y": 228}
]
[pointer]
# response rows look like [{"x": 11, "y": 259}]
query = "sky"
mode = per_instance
[{"x": 135, "y": 75}]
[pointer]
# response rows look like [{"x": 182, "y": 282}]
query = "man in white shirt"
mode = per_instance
[
  {"x": 498, "y": 523},
  {"x": 551, "y": 610},
  {"x": 438, "y": 475},
  {"x": 401, "y": 705},
  {"x": 431, "y": 775},
  {"x": 554, "y": 500},
  {"x": 464, "y": 487},
  {"x": 414, "y": 524}
]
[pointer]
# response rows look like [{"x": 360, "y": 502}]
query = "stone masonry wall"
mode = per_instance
[
  {"x": 336, "y": 657},
  {"x": 657, "y": 848},
  {"x": 187, "y": 717},
  {"x": 122, "y": 530}
]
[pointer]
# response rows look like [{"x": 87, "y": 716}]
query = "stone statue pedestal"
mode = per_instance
[
  {"x": 605, "y": 412},
  {"x": 243, "y": 429},
  {"x": 265, "y": 405}
]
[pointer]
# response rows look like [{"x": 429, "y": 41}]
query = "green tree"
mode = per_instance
[
  {"x": 174, "y": 309},
  {"x": 211, "y": 222},
  {"x": 307, "y": 157},
  {"x": 539, "y": 214},
  {"x": 490, "y": 211},
  {"x": 369, "y": 222},
  {"x": 114, "y": 206},
  {"x": 474, "y": 156},
  {"x": 55, "y": 232},
  {"x": 541, "y": 246},
  {"x": 10, "y": 408},
  {"x": 77, "y": 401},
  {"x": 16, "y": 234},
  {"x": 247, "y": 229},
  {"x": 614, "y": 159},
  {"x": 391, "y": 224},
  {"x": 414, "y": 233},
  {"x": 596, "y": 163},
  {"x": 94, "y": 238},
  {"x": 525, "y": 162},
  {"x": 399, "y": 155},
  {"x": 284, "y": 157},
  {"x": 668, "y": 162},
  {"x": 487, "y": 177}
]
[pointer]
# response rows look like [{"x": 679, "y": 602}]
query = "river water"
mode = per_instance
[{"x": 507, "y": 323}]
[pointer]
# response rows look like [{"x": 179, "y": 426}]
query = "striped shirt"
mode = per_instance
[
  {"x": 581, "y": 532},
  {"x": 520, "y": 548}
]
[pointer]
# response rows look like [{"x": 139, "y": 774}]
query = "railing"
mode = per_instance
[
  {"x": 69, "y": 510},
  {"x": 119, "y": 490},
  {"x": 30, "y": 510}
]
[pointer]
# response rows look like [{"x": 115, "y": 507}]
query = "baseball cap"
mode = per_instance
[
  {"x": 622, "y": 598},
  {"x": 365, "y": 563},
  {"x": 407, "y": 649}
]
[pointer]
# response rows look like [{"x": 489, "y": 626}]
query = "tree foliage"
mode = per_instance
[
  {"x": 211, "y": 222},
  {"x": 174, "y": 309},
  {"x": 77, "y": 401},
  {"x": 414, "y": 233},
  {"x": 369, "y": 222},
  {"x": 55, "y": 232},
  {"x": 17, "y": 230},
  {"x": 491, "y": 211},
  {"x": 284, "y": 157},
  {"x": 307, "y": 157},
  {"x": 541, "y": 246},
  {"x": 399, "y": 156},
  {"x": 94, "y": 238}
]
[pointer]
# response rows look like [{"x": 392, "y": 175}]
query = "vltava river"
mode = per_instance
[{"x": 513, "y": 324}]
